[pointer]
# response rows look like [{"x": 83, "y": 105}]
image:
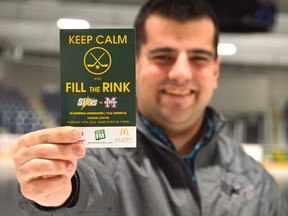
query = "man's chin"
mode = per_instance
[
  {"x": 181, "y": 117},
  {"x": 177, "y": 119}
]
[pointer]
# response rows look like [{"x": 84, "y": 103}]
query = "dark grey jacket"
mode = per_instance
[{"x": 151, "y": 180}]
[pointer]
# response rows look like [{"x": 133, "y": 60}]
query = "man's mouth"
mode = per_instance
[{"x": 176, "y": 92}]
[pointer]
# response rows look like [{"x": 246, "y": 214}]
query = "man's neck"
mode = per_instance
[{"x": 185, "y": 141}]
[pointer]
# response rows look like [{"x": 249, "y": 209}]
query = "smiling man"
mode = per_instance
[
  {"x": 182, "y": 165},
  {"x": 177, "y": 72}
]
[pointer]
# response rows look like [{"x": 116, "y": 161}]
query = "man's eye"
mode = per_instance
[
  {"x": 162, "y": 58},
  {"x": 199, "y": 60}
]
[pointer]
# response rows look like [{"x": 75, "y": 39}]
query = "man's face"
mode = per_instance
[{"x": 177, "y": 71}]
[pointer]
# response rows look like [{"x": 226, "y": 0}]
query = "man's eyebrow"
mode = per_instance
[
  {"x": 162, "y": 50},
  {"x": 171, "y": 50},
  {"x": 201, "y": 51}
]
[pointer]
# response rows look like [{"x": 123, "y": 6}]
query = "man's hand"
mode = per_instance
[{"x": 45, "y": 163}]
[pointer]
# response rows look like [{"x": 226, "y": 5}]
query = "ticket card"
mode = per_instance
[{"x": 98, "y": 85}]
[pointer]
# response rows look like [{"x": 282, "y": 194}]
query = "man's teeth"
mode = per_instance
[{"x": 178, "y": 92}]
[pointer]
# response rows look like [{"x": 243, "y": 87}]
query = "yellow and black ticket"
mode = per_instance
[{"x": 98, "y": 85}]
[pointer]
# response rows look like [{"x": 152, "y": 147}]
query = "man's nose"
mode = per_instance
[{"x": 181, "y": 69}]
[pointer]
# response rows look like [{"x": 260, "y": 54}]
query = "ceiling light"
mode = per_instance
[
  {"x": 226, "y": 49},
  {"x": 64, "y": 23}
]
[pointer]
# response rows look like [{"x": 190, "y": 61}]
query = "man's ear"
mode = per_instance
[{"x": 217, "y": 70}]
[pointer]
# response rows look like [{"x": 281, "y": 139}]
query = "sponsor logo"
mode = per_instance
[
  {"x": 84, "y": 102},
  {"x": 124, "y": 132},
  {"x": 240, "y": 190},
  {"x": 110, "y": 102},
  {"x": 100, "y": 134},
  {"x": 124, "y": 136}
]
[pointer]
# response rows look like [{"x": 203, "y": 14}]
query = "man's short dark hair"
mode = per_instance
[{"x": 178, "y": 10}]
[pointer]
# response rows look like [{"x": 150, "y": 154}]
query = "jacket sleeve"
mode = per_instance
[
  {"x": 271, "y": 200},
  {"x": 278, "y": 204},
  {"x": 281, "y": 207},
  {"x": 93, "y": 193}
]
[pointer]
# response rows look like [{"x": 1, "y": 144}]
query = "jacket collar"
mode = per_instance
[{"x": 217, "y": 118}]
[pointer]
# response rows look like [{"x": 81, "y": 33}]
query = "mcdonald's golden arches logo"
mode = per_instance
[{"x": 124, "y": 132}]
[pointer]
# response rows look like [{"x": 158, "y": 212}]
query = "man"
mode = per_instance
[{"x": 181, "y": 166}]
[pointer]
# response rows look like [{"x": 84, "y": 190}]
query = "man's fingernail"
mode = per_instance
[
  {"x": 74, "y": 134},
  {"x": 69, "y": 166},
  {"x": 78, "y": 151}
]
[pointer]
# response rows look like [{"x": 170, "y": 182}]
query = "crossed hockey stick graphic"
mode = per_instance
[{"x": 97, "y": 62}]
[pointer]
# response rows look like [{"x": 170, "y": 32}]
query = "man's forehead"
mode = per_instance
[
  {"x": 194, "y": 36},
  {"x": 169, "y": 28},
  {"x": 153, "y": 19}
]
